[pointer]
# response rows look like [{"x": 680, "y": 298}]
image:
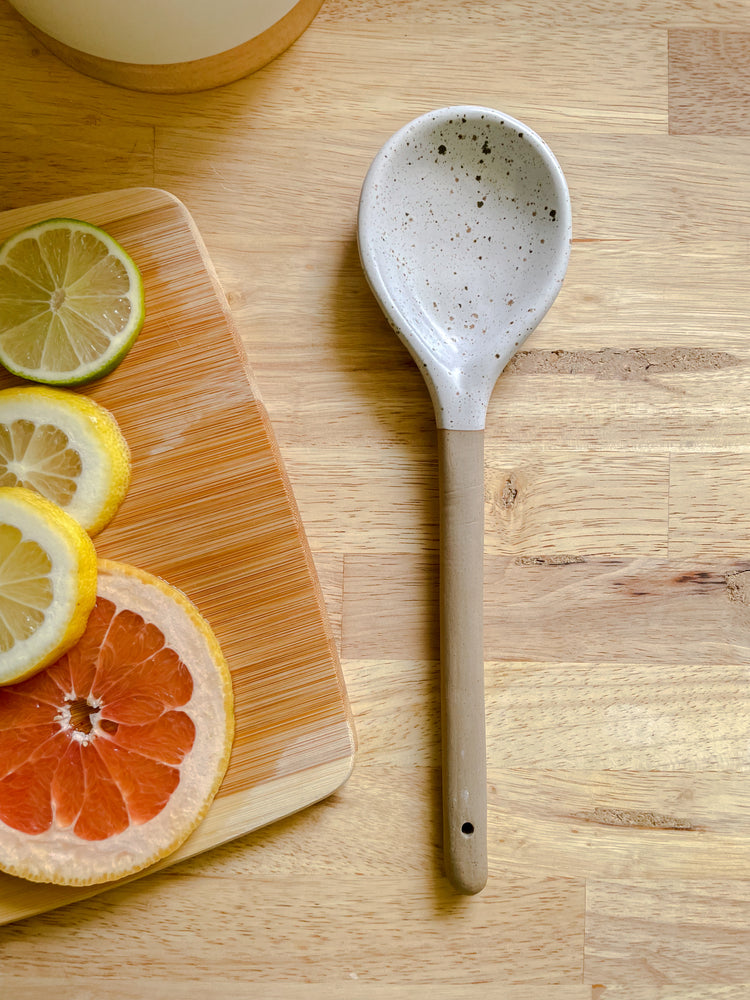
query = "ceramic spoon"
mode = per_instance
[{"x": 464, "y": 235}]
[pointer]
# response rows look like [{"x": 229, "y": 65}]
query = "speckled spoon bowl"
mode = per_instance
[{"x": 464, "y": 234}]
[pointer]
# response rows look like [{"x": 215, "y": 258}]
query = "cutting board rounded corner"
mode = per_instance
[{"x": 185, "y": 386}]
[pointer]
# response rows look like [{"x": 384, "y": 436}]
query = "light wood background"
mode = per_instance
[{"x": 617, "y": 499}]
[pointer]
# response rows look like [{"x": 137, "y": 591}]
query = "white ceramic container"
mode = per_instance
[{"x": 167, "y": 45}]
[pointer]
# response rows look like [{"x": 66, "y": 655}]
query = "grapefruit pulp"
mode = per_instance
[{"x": 111, "y": 756}]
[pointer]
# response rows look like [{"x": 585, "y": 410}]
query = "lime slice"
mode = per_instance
[
  {"x": 71, "y": 302},
  {"x": 48, "y": 579},
  {"x": 66, "y": 447}
]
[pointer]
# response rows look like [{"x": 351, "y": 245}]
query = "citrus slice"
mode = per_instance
[
  {"x": 110, "y": 757},
  {"x": 71, "y": 302},
  {"x": 47, "y": 582},
  {"x": 66, "y": 447}
]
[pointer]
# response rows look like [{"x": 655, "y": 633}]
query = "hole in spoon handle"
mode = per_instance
[{"x": 462, "y": 658}]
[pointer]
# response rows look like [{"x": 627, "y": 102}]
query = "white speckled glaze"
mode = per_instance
[{"x": 464, "y": 234}]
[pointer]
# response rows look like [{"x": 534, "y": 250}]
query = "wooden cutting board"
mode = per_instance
[{"x": 211, "y": 511}]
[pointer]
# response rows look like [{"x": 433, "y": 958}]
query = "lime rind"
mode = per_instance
[{"x": 71, "y": 303}]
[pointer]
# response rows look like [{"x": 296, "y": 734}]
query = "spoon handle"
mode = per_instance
[{"x": 462, "y": 658}]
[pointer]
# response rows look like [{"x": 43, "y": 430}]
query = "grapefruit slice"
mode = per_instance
[{"x": 111, "y": 756}]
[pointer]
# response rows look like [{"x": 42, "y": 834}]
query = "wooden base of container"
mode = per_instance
[{"x": 196, "y": 74}]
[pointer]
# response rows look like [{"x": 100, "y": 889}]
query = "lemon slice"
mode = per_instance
[
  {"x": 71, "y": 302},
  {"x": 47, "y": 582},
  {"x": 66, "y": 447}
]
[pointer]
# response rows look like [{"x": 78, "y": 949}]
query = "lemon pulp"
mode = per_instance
[
  {"x": 25, "y": 587},
  {"x": 47, "y": 582},
  {"x": 66, "y": 447}
]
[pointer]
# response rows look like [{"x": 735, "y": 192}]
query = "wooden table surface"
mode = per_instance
[{"x": 617, "y": 572}]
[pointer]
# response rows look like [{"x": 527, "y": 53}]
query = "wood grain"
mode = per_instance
[
  {"x": 640, "y": 992},
  {"x": 211, "y": 511},
  {"x": 692, "y": 936},
  {"x": 539, "y": 919},
  {"x": 709, "y": 81},
  {"x": 616, "y": 512}
]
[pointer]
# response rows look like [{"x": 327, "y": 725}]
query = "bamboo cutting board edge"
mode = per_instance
[
  {"x": 272, "y": 442},
  {"x": 222, "y": 824},
  {"x": 235, "y": 812}
]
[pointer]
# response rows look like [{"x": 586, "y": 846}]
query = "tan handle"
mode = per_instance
[{"x": 462, "y": 658}]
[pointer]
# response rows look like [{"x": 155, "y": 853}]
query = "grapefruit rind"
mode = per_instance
[
  {"x": 72, "y": 575},
  {"x": 92, "y": 433},
  {"x": 57, "y": 856}
]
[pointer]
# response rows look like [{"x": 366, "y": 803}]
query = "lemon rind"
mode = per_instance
[
  {"x": 95, "y": 434},
  {"x": 74, "y": 581}
]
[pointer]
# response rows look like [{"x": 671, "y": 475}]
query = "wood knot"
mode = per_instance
[
  {"x": 634, "y": 819},
  {"x": 510, "y": 491},
  {"x": 738, "y": 587},
  {"x": 553, "y": 560}
]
